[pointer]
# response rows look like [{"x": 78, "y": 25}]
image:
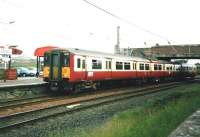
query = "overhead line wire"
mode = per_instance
[{"x": 127, "y": 21}]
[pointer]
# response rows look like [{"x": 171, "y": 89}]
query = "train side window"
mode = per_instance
[
  {"x": 168, "y": 68},
  {"x": 119, "y": 65},
  {"x": 127, "y": 66},
  {"x": 155, "y": 67},
  {"x": 108, "y": 64},
  {"x": 159, "y": 67},
  {"x": 134, "y": 66},
  {"x": 146, "y": 66},
  {"x": 96, "y": 64},
  {"x": 78, "y": 63},
  {"x": 141, "y": 66},
  {"x": 83, "y": 64}
]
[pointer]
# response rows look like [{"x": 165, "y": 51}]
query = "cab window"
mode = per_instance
[
  {"x": 46, "y": 59},
  {"x": 66, "y": 60}
]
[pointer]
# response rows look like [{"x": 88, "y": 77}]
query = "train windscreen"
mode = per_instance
[
  {"x": 66, "y": 60},
  {"x": 46, "y": 59}
]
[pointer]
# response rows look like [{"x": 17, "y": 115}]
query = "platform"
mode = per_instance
[
  {"x": 21, "y": 81},
  {"x": 23, "y": 87},
  {"x": 190, "y": 127}
]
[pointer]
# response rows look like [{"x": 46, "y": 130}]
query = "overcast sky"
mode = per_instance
[{"x": 76, "y": 24}]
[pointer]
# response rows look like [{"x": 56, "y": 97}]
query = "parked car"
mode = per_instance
[
  {"x": 24, "y": 72},
  {"x": 32, "y": 72}
]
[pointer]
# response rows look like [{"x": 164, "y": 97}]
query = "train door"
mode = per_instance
[
  {"x": 55, "y": 68},
  {"x": 80, "y": 68},
  {"x": 108, "y": 68},
  {"x": 84, "y": 68},
  {"x": 147, "y": 70}
]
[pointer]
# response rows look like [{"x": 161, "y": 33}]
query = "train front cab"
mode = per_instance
[{"x": 57, "y": 69}]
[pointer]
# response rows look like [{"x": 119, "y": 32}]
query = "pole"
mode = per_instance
[
  {"x": 9, "y": 63},
  {"x": 118, "y": 41},
  {"x": 37, "y": 67},
  {"x": 117, "y": 48}
]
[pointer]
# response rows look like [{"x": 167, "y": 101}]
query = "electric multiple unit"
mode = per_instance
[{"x": 74, "y": 68}]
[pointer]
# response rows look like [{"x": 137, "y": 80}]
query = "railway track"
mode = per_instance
[
  {"x": 47, "y": 109},
  {"x": 16, "y": 102}
]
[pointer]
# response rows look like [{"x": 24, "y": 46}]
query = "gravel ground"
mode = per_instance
[{"x": 73, "y": 123}]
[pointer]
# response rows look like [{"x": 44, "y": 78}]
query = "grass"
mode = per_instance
[
  {"x": 158, "y": 118},
  {"x": 24, "y": 63}
]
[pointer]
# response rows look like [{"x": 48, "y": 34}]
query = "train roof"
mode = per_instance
[
  {"x": 102, "y": 54},
  {"x": 98, "y": 54}
]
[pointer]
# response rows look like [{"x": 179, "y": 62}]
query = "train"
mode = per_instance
[{"x": 75, "y": 69}]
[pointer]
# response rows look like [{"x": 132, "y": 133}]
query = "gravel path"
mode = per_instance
[{"x": 190, "y": 127}]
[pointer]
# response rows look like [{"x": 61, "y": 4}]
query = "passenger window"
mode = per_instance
[
  {"x": 155, "y": 67},
  {"x": 159, "y": 67},
  {"x": 134, "y": 66},
  {"x": 96, "y": 64},
  {"x": 127, "y": 66},
  {"x": 163, "y": 67},
  {"x": 78, "y": 63},
  {"x": 141, "y": 66},
  {"x": 167, "y": 68},
  {"x": 83, "y": 64},
  {"x": 108, "y": 64},
  {"x": 119, "y": 65},
  {"x": 146, "y": 66}
]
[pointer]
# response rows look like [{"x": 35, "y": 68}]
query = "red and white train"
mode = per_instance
[{"x": 76, "y": 69}]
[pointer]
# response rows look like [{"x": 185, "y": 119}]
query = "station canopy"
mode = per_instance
[{"x": 39, "y": 52}]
